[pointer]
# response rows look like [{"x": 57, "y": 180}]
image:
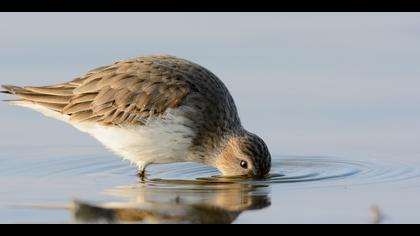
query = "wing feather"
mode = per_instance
[{"x": 126, "y": 92}]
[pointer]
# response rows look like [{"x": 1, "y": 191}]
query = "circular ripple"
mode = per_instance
[{"x": 316, "y": 171}]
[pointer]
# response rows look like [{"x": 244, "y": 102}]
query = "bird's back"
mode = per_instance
[{"x": 130, "y": 93}]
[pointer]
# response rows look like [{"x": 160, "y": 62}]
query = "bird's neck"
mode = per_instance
[{"x": 208, "y": 150}]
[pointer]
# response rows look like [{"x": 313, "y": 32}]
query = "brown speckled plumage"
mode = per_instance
[{"x": 129, "y": 92}]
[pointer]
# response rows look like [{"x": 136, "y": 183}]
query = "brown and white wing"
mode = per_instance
[{"x": 127, "y": 92}]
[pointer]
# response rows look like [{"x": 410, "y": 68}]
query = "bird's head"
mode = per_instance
[{"x": 244, "y": 154}]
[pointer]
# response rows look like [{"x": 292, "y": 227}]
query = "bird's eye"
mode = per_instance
[{"x": 244, "y": 164}]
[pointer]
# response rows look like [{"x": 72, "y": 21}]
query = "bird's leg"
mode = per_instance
[{"x": 141, "y": 172}]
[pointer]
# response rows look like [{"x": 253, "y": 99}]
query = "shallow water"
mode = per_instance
[
  {"x": 88, "y": 185},
  {"x": 345, "y": 86}
]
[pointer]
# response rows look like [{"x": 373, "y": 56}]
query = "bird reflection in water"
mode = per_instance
[{"x": 176, "y": 201}]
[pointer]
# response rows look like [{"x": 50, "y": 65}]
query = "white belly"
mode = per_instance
[{"x": 160, "y": 141}]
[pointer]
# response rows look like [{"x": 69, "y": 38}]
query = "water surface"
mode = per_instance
[
  {"x": 88, "y": 185},
  {"x": 341, "y": 90}
]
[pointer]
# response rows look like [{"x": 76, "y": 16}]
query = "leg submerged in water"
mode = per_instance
[{"x": 141, "y": 172}]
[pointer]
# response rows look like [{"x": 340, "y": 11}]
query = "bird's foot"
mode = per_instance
[{"x": 141, "y": 174}]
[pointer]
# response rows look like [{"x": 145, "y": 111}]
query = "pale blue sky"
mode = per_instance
[{"x": 309, "y": 83}]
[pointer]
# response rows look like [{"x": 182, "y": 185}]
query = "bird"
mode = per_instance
[{"x": 154, "y": 109}]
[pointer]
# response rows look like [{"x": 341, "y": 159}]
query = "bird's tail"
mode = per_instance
[
  {"x": 10, "y": 89},
  {"x": 48, "y": 100},
  {"x": 53, "y": 97}
]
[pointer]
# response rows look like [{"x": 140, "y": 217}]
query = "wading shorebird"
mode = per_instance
[{"x": 155, "y": 109}]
